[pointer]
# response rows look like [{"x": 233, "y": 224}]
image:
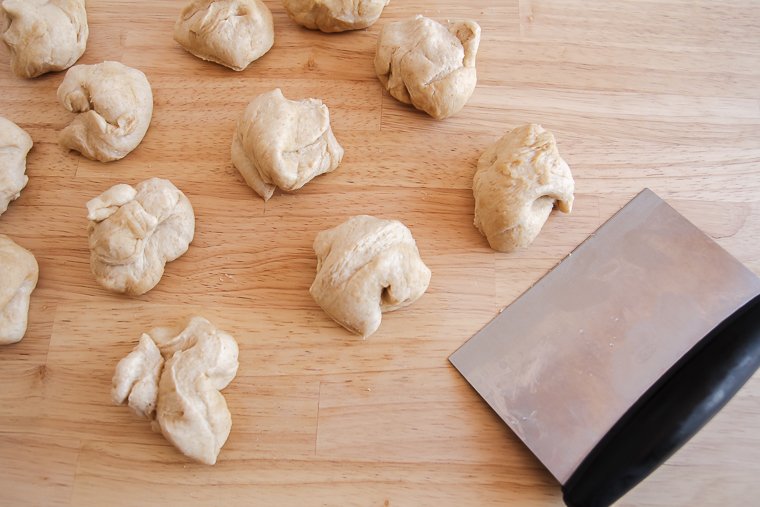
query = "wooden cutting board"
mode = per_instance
[{"x": 659, "y": 94}]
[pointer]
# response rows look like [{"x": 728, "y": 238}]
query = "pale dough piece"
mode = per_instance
[
  {"x": 429, "y": 65},
  {"x": 18, "y": 278},
  {"x": 335, "y": 15},
  {"x": 367, "y": 266},
  {"x": 43, "y": 35},
  {"x": 519, "y": 180},
  {"x": 173, "y": 377},
  {"x": 284, "y": 143},
  {"x": 232, "y": 33},
  {"x": 15, "y": 143},
  {"x": 134, "y": 232},
  {"x": 136, "y": 379},
  {"x": 116, "y": 106}
]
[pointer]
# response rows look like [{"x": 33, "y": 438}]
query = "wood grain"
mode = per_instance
[{"x": 660, "y": 94}]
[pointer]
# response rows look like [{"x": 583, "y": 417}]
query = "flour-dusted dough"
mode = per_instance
[
  {"x": 284, "y": 143},
  {"x": 431, "y": 66},
  {"x": 335, "y": 15},
  {"x": 116, "y": 103},
  {"x": 18, "y": 278},
  {"x": 519, "y": 180},
  {"x": 232, "y": 33},
  {"x": 15, "y": 143},
  {"x": 173, "y": 378},
  {"x": 367, "y": 266},
  {"x": 134, "y": 231},
  {"x": 43, "y": 35}
]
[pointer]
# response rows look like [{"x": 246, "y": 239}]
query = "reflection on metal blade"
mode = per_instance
[{"x": 563, "y": 362}]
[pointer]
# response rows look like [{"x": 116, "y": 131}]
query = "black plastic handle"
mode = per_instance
[{"x": 670, "y": 412}]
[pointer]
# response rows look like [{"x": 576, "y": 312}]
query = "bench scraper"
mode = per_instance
[{"x": 622, "y": 352}]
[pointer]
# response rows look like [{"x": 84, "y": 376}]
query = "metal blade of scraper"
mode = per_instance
[{"x": 564, "y": 361}]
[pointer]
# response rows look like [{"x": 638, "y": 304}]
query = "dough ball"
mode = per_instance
[
  {"x": 518, "y": 181},
  {"x": 116, "y": 105},
  {"x": 43, "y": 35},
  {"x": 335, "y": 15},
  {"x": 232, "y": 33},
  {"x": 15, "y": 143},
  {"x": 431, "y": 66},
  {"x": 134, "y": 231},
  {"x": 284, "y": 143},
  {"x": 173, "y": 378},
  {"x": 367, "y": 266},
  {"x": 18, "y": 278}
]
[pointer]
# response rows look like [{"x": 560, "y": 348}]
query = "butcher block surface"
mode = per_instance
[{"x": 659, "y": 94}]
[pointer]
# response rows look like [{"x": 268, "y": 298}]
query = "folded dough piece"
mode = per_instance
[
  {"x": 134, "y": 231},
  {"x": 284, "y": 143},
  {"x": 232, "y": 33},
  {"x": 519, "y": 180},
  {"x": 116, "y": 106},
  {"x": 18, "y": 278},
  {"x": 431, "y": 66},
  {"x": 173, "y": 378},
  {"x": 136, "y": 379},
  {"x": 335, "y": 15},
  {"x": 43, "y": 35},
  {"x": 15, "y": 143},
  {"x": 367, "y": 266}
]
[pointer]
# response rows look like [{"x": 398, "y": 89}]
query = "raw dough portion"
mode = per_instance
[
  {"x": 116, "y": 103},
  {"x": 134, "y": 231},
  {"x": 18, "y": 278},
  {"x": 284, "y": 143},
  {"x": 136, "y": 379},
  {"x": 335, "y": 15},
  {"x": 519, "y": 180},
  {"x": 367, "y": 266},
  {"x": 173, "y": 378},
  {"x": 15, "y": 143},
  {"x": 43, "y": 35},
  {"x": 431, "y": 66},
  {"x": 232, "y": 33}
]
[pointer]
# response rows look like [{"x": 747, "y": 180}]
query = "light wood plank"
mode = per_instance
[{"x": 37, "y": 469}]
